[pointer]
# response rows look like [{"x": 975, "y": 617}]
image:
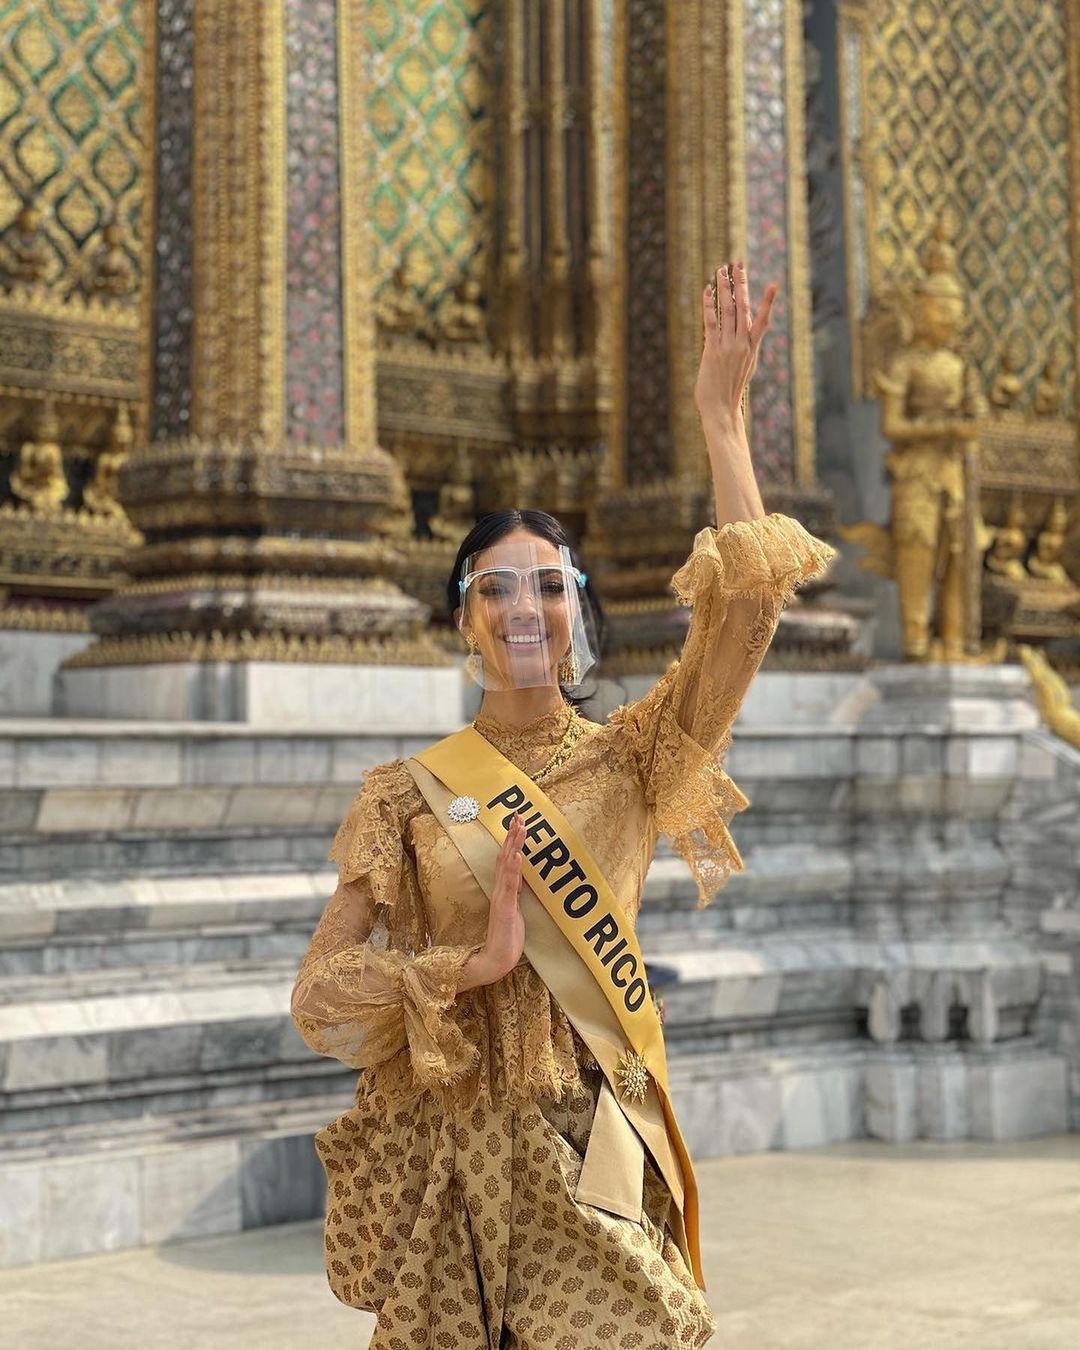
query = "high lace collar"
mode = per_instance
[
  {"x": 529, "y": 743},
  {"x": 552, "y": 722}
]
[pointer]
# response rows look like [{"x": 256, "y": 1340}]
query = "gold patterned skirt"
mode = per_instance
[{"x": 461, "y": 1231}]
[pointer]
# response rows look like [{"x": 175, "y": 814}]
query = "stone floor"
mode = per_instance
[{"x": 853, "y": 1247}]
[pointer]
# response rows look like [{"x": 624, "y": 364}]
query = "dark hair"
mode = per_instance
[{"x": 489, "y": 529}]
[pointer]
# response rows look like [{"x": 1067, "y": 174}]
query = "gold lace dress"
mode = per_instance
[{"x": 451, "y": 1209}]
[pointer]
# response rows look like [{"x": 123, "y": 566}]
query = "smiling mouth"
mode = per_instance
[{"x": 523, "y": 639}]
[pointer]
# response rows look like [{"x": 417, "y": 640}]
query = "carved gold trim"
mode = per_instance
[
  {"x": 238, "y": 384},
  {"x": 357, "y": 283},
  {"x": 263, "y": 581},
  {"x": 735, "y": 130},
  {"x": 1036, "y": 455},
  {"x": 96, "y": 348},
  {"x": 148, "y": 169},
  {"x": 1072, "y": 45},
  {"x": 855, "y": 162},
  {"x": 555, "y": 334},
  {"x": 153, "y": 649},
  {"x": 615, "y": 468},
  {"x": 701, "y": 227},
  {"x": 272, "y": 221},
  {"x": 44, "y": 619},
  {"x": 801, "y": 345},
  {"x": 638, "y": 661},
  {"x": 344, "y": 558},
  {"x": 511, "y": 334}
]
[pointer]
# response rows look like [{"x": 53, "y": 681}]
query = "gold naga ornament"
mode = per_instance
[
  {"x": 932, "y": 401},
  {"x": 1052, "y": 696}
]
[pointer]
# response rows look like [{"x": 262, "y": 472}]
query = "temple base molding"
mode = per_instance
[{"x": 400, "y": 699}]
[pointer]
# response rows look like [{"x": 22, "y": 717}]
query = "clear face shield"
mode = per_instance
[{"x": 523, "y": 603}]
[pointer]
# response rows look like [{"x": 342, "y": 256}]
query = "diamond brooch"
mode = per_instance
[
  {"x": 632, "y": 1076},
  {"x": 462, "y": 809}
]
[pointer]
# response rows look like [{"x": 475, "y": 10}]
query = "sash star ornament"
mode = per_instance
[
  {"x": 632, "y": 1074},
  {"x": 463, "y": 809}
]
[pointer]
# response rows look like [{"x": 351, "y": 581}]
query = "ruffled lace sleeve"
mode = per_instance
[
  {"x": 355, "y": 997},
  {"x": 738, "y": 580}
]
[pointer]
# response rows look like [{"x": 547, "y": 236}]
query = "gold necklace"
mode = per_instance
[
  {"x": 570, "y": 737},
  {"x": 572, "y": 733}
]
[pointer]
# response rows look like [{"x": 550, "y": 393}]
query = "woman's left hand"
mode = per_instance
[{"x": 732, "y": 343}]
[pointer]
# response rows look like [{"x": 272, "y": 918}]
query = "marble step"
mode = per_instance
[
  {"x": 132, "y": 980},
  {"x": 72, "y": 1191},
  {"x": 69, "y": 925},
  {"x": 86, "y": 797},
  {"x": 80, "y": 907},
  {"x": 65, "y": 1044},
  {"x": 77, "y": 1190}
]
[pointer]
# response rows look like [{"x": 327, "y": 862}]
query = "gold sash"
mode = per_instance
[{"x": 566, "y": 898}]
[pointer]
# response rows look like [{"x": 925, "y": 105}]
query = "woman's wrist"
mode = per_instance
[
  {"x": 724, "y": 430},
  {"x": 476, "y": 971}
]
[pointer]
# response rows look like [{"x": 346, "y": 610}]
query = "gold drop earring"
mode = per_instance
[
  {"x": 568, "y": 671},
  {"x": 473, "y": 661}
]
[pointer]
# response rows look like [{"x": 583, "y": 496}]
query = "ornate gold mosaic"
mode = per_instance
[
  {"x": 71, "y": 127},
  {"x": 429, "y": 103},
  {"x": 958, "y": 110}
]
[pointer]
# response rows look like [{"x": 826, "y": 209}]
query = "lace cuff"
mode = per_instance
[
  {"x": 438, "y": 1051},
  {"x": 748, "y": 557},
  {"x": 693, "y": 802},
  {"x": 366, "y": 1007}
]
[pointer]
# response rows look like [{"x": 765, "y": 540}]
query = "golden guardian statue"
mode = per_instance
[{"x": 932, "y": 401}]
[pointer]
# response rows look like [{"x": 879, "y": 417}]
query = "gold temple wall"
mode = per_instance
[
  {"x": 76, "y": 104},
  {"x": 430, "y": 113},
  {"x": 74, "y": 84},
  {"x": 967, "y": 112},
  {"x": 77, "y": 183}
]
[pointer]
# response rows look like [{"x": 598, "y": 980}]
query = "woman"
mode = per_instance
[{"x": 457, "y": 1182}]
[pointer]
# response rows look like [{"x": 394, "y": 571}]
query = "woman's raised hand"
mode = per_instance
[
  {"x": 506, "y": 926},
  {"x": 732, "y": 342}
]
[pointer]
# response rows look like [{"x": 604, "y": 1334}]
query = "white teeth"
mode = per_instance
[{"x": 534, "y": 640}]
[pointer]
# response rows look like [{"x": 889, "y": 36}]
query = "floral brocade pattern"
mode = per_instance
[
  {"x": 450, "y": 1227},
  {"x": 459, "y": 1152}
]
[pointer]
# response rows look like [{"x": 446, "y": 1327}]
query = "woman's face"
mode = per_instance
[{"x": 518, "y": 608}]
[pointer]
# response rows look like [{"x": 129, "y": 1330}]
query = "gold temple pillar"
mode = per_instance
[
  {"x": 710, "y": 168},
  {"x": 271, "y": 518}
]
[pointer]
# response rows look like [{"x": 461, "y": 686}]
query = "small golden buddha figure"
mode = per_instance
[
  {"x": 1006, "y": 554},
  {"x": 1049, "y": 394},
  {"x": 112, "y": 270},
  {"x": 398, "y": 308},
  {"x": 100, "y": 494},
  {"x": 1007, "y": 385},
  {"x": 461, "y": 315},
  {"x": 1045, "y": 561},
  {"x": 456, "y": 512},
  {"x": 39, "y": 478},
  {"x": 29, "y": 254},
  {"x": 931, "y": 403}
]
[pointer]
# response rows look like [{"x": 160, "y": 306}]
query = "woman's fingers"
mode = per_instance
[
  {"x": 708, "y": 310},
  {"x": 764, "y": 313},
  {"x": 742, "y": 300},
  {"x": 727, "y": 303},
  {"x": 508, "y": 866}
]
